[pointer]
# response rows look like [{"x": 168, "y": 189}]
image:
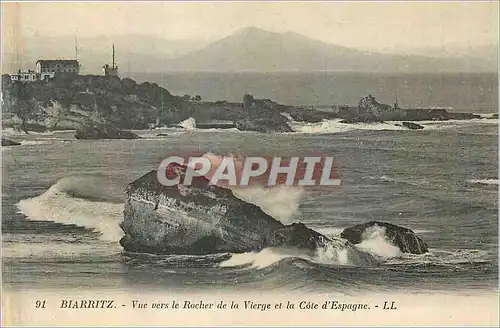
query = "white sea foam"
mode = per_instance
[
  {"x": 484, "y": 181},
  {"x": 487, "y": 115},
  {"x": 374, "y": 241},
  {"x": 258, "y": 260},
  {"x": 57, "y": 205},
  {"x": 334, "y": 253},
  {"x": 329, "y": 231},
  {"x": 33, "y": 142},
  {"x": 188, "y": 124},
  {"x": 335, "y": 125},
  {"x": 281, "y": 202}
]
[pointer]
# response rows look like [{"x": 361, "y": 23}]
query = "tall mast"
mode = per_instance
[
  {"x": 76, "y": 48},
  {"x": 396, "y": 98},
  {"x": 113, "y": 55}
]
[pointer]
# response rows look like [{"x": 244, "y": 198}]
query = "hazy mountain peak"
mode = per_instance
[
  {"x": 255, "y": 49},
  {"x": 249, "y": 30},
  {"x": 247, "y": 49}
]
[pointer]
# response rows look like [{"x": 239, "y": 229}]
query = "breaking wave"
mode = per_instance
[
  {"x": 94, "y": 202},
  {"x": 483, "y": 181},
  {"x": 335, "y": 252},
  {"x": 335, "y": 125},
  {"x": 281, "y": 202},
  {"x": 188, "y": 124},
  {"x": 375, "y": 242},
  {"x": 85, "y": 201}
]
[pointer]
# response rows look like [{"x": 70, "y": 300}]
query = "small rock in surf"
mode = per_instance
[
  {"x": 7, "y": 142},
  {"x": 405, "y": 239},
  {"x": 412, "y": 126}
]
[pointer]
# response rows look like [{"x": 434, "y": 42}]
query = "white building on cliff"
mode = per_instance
[{"x": 58, "y": 66}]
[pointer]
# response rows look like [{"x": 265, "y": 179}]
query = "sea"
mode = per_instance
[
  {"x": 63, "y": 199},
  {"x": 459, "y": 92}
]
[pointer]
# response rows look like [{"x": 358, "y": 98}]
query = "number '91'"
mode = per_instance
[{"x": 40, "y": 304}]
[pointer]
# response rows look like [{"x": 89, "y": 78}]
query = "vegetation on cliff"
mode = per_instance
[
  {"x": 89, "y": 100},
  {"x": 68, "y": 103}
]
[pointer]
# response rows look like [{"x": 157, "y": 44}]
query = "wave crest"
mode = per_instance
[
  {"x": 188, "y": 124},
  {"x": 336, "y": 252},
  {"x": 375, "y": 242},
  {"x": 483, "y": 181},
  {"x": 80, "y": 200}
]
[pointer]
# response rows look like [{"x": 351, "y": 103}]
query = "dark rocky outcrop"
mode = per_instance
[
  {"x": 162, "y": 135},
  {"x": 66, "y": 103},
  {"x": 7, "y": 142},
  {"x": 370, "y": 109},
  {"x": 262, "y": 115},
  {"x": 103, "y": 132},
  {"x": 63, "y": 103},
  {"x": 412, "y": 126},
  {"x": 310, "y": 115},
  {"x": 265, "y": 125},
  {"x": 203, "y": 219},
  {"x": 463, "y": 116},
  {"x": 405, "y": 239}
]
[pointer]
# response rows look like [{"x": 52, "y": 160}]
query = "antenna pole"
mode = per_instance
[
  {"x": 76, "y": 48},
  {"x": 113, "y": 55},
  {"x": 396, "y": 100}
]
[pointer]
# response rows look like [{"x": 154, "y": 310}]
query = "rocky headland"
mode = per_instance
[{"x": 84, "y": 101}]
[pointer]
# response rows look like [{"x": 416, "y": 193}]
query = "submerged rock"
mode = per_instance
[
  {"x": 103, "y": 132},
  {"x": 207, "y": 219},
  {"x": 412, "y": 126},
  {"x": 7, "y": 142},
  {"x": 405, "y": 239}
]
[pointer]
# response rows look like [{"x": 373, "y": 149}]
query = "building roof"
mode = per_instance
[{"x": 57, "y": 61}]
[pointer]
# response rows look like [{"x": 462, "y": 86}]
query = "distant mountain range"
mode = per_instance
[
  {"x": 134, "y": 53},
  {"x": 250, "y": 49}
]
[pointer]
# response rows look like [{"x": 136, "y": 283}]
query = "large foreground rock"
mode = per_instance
[
  {"x": 103, "y": 132},
  {"x": 405, "y": 239},
  {"x": 206, "y": 219},
  {"x": 7, "y": 142}
]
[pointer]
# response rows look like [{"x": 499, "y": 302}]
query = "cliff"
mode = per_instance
[
  {"x": 70, "y": 103},
  {"x": 88, "y": 100},
  {"x": 67, "y": 103}
]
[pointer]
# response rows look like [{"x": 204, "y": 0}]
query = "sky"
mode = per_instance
[{"x": 363, "y": 25}]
